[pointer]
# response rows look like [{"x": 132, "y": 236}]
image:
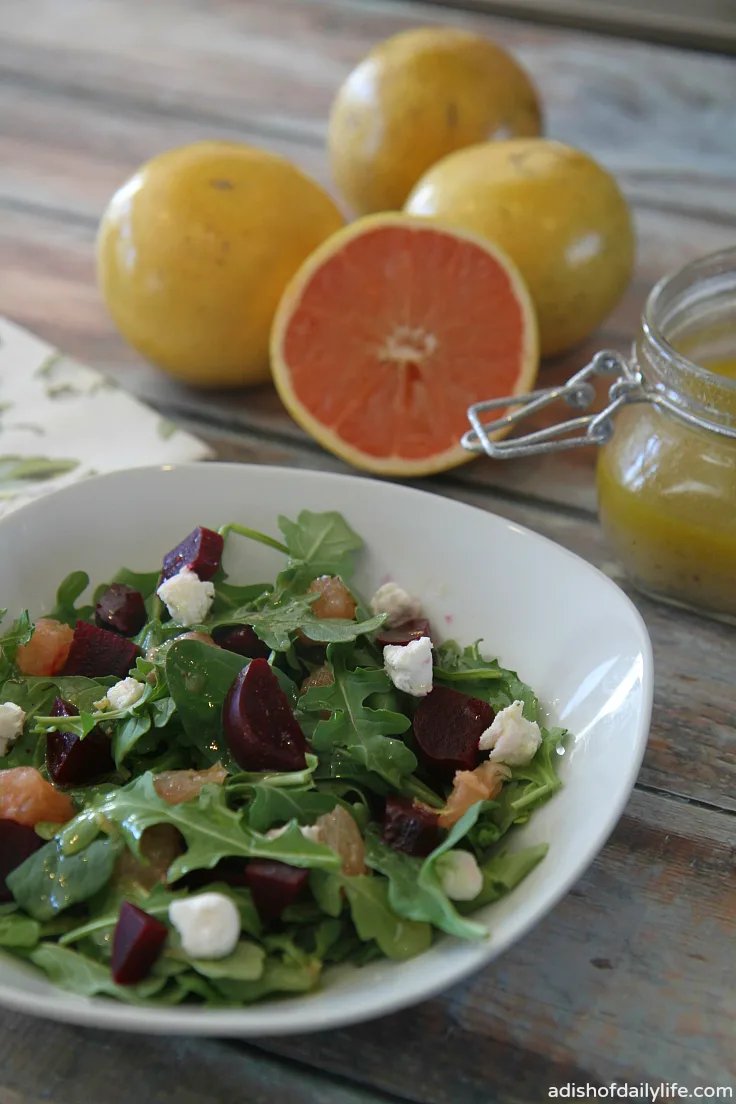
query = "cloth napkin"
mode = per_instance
[{"x": 61, "y": 421}]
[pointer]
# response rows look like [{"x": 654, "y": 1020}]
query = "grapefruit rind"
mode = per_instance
[{"x": 331, "y": 441}]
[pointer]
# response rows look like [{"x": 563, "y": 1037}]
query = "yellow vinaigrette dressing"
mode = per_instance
[{"x": 666, "y": 488}]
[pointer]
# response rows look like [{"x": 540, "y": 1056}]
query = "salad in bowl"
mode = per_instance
[{"x": 212, "y": 791}]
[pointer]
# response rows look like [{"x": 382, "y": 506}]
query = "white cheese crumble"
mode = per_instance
[
  {"x": 209, "y": 925},
  {"x": 460, "y": 876},
  {"x": 125, "y": 693},
  {"x": 187, "y": 597},
  {"x": 513, "y": 739},
  {"x": 12, "y": 719},
  {"x": 396, "y": 603},
  {"x": 409, "y": 666}
]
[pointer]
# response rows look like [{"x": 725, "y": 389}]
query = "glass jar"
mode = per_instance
[
  {"x": 666, "y": 488},
  {"x": 666, "y": 471}
]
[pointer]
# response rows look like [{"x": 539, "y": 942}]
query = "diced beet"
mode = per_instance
[
  {"x": 97, "y": 652},
  {"x": 62, "y": 708},
  {"x": 409, "y": 827},
  {"x": 17, "y": 843},
  {"x": 274, "y": 886},
  {"x": 405, "y": 633},
  {"x": 261, "y": 729},
  {"x": 447, "y": 727},
  {"x": 201, "y": 550},
  {"x": 121, "y": 609},
  {"x": 72, "y": 761},
  {"x": 136, "y": 944},
  {"x": 242, "y": 640}
]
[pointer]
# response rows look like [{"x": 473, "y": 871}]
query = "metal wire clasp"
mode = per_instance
[{"x": 578, "y": 393}]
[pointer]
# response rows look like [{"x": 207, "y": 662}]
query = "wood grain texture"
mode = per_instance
[
  {"x": 632, "y": 975},
  {"x": 57, "y": 1064}
]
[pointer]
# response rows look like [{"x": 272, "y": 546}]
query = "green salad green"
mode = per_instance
[{"x": 364, "y": 893}]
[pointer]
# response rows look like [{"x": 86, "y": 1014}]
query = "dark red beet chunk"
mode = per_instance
[
  {"x": 261, "y": 730},
  {"x": 242, "y": 640},
  {"x": 274, "y": 886},
  {"x": 17, "y": 843},
  {"x": 137, "y": 943},
  {"x": 447, "y": 727},
  {"x": 409, "y": 827},
  {"x": 98, "y": 652},
  {"x": 201, "y": 550},
  {"x": 121, "y": 609},
  {"x": 71, "y": 761},
  {"x": 404, "y": 634}
]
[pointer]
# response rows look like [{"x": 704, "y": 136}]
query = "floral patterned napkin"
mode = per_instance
[{"x": 61, "y": 421}]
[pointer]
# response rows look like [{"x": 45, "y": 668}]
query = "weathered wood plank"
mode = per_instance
[
  {"x": 57, "y": 1064},
  {"x": 282, "y": 63}
]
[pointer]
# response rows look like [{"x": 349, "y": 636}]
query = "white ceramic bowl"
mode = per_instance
[{"x": 565, "y": 627}]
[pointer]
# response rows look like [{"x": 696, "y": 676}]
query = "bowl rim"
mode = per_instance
[{"x": 296, "y": 1014}]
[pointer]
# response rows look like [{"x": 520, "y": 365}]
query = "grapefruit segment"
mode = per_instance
[{"x": 390, "y": 331}]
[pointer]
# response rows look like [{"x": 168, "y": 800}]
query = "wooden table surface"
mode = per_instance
[{"x": 633, "y": 975}]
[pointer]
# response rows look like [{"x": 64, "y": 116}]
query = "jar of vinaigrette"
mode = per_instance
[{"x": 666, "y": 472}]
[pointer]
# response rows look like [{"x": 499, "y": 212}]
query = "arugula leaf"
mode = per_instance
[
  {"x": 212, "y": 831},
  {"x": 541, "y": 773},
  {"x": 325, "y": 935},
  {"x": 363, "y": 731},
  {"x": 128, "y": 724},
  {"x": 529, "y": 786},
  {"x": 318, "y": 544},
  {"x": 469, "y": 672},
  {"x": 326, "y": 887},
  {"x": 280, "y": 975},
  {"x": 244, "y": 780},
  {"x": 337, "y": 630},
  {"x": 82, "y": 975},
  {"x": 35, "y": 696},
  {"x": 29, "y": 750},
  {"x": 244, "y": 964},
  {"x": 276, "y": 805},
  {"x": 230, "y": 598},
  {"x": 19, "y": 931},
  {"x": 251, "y": 534},
  {"x": 50, "y": 881},
  {"x": 21, "y": 633},
  {"x": 503, "y": 872},
  {"x": 128, "y": 734},
  {"x": 69, "y": 590},
  {"x": 398, "y": 938},
  {"x": 415, "y": 890},
  {"x": 199, "y": 678},
  {"x": 276, "y": 620}
]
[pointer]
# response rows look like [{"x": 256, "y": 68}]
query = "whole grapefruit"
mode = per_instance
[
  {"x": 415, "y": 98},
  {"x": 194, "y": 252},
  {"x": 556, "y": 212}
]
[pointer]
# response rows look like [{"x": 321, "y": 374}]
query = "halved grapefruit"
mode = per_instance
[{"x": 387, "y": 334}]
